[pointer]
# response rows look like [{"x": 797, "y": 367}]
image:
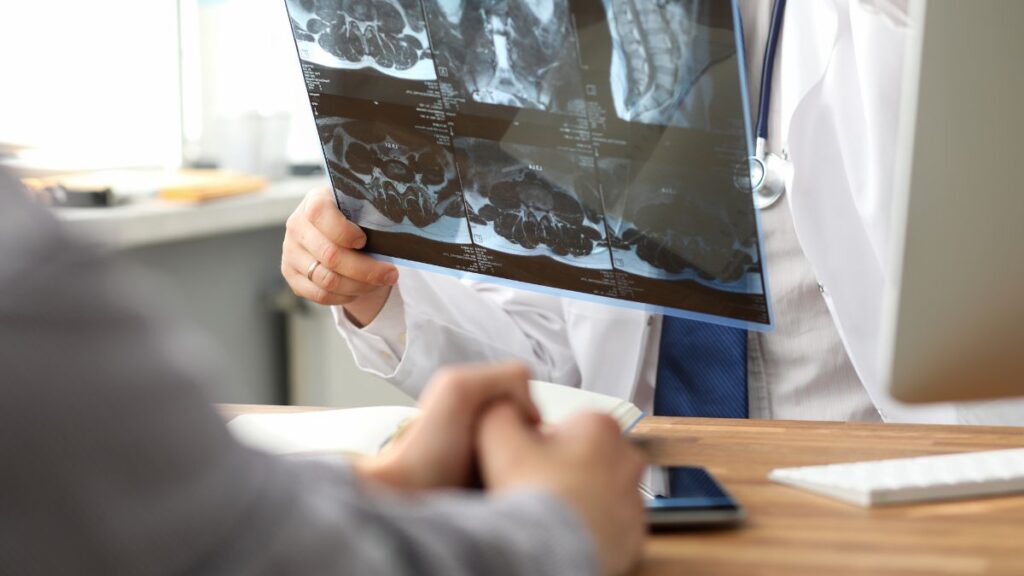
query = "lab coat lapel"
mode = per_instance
[{"x": 808, "y": 36}]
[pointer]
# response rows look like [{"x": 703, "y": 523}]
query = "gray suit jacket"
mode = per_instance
[{"x": 113, "y": 462}]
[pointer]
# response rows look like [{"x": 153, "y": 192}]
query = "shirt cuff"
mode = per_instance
[
  {"x": 379, "y": 346},
  {"x": 550, "y": 535}
]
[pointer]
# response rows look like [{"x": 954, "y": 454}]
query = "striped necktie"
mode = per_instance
[{"x": 702, "y": 370}]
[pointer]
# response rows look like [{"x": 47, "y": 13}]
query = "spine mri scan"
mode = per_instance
[
  {"x": 387, "y": 36},
  {"x": 406, "y": 177},
  {"x": 599, "y": 135},
  {"x": 520, "y": 54}
]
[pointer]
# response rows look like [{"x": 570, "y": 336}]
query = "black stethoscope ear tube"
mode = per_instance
[
  {"x": 766, "y": 182},
  {"x": 768, "y": 68}
]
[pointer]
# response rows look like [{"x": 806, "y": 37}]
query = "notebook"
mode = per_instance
[{"x": 365, "y": 431}]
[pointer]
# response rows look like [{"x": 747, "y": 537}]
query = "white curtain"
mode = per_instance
[{"x": 242, "y": 81}]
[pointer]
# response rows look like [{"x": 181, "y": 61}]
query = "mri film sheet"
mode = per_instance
[{"x": 582, "y": 148}]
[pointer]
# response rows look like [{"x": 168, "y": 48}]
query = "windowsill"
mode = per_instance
[{"x": 148, "y": 222}]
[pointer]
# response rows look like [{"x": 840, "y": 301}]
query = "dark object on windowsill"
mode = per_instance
[
  {"x": 305, "y": 169},
  {"x": 58, "y": 196},
  {"x": 203, "y": 164}
]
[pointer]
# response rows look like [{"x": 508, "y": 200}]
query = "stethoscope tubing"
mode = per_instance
[
  {"x": 766, "y": 188},
  {"x": 768, "y": 68}
]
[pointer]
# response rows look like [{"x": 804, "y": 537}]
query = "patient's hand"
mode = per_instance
[
  {"x": 318, "y": 232},
  {"x": 584, "y": 461},
  {"x": 437, "y": 449}
]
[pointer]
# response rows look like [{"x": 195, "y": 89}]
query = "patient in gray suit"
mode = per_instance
[{"x": 112, "y": 461}]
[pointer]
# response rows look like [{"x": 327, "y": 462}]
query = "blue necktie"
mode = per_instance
[{"x": 702, "y": 371}]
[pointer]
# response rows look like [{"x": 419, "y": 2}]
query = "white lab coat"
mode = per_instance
[
  {"x": 842, "y": 142},
  {"x": 843, "y": 64}
]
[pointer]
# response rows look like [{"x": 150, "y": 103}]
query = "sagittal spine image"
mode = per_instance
[
  {"x": 386, "y": 35},
  {"x": 660, "y": 53},
  {"x": 536, "y": 200},
  {"x": 517, "y": 53},
  {"x": 661, "y": 226},
  {"x": 404, "y": 174}
]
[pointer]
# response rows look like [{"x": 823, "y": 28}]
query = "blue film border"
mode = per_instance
[{"x": 741, "y": 55}]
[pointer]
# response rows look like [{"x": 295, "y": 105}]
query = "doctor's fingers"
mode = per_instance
[
  {"x": 344, "y": 261},
  {"x": 310, "y": 291},
  {"x": 323, "y": 286},
  {"x": 320, "y": 210}
]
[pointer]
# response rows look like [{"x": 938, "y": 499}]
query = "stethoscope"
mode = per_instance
[{"x": 768, "y": 171}]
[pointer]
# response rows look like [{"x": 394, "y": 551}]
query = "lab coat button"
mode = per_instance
[{"x": 821, "y": 287}]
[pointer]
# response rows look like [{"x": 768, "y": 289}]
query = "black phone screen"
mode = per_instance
[{"x": 687, "y": 495}]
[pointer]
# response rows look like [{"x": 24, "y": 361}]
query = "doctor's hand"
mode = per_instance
[
  {"x": 585, "y": 461},
  {"x": 322, "y": 262},
  {"x": 437, "y": 449}
]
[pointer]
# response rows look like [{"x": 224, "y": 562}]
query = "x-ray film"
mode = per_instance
[{"x": 587, "y": 148}]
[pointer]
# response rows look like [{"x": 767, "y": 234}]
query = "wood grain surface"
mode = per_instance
[{"x": 794, "y": 533}]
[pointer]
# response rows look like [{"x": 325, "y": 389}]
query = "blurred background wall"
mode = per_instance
[{"x": 167, "y": 84}]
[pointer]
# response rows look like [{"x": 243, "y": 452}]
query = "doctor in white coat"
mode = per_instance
[{"x": 833, "y": 116}]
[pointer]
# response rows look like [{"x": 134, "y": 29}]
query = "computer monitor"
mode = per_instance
[{"x": 954, "y": 325}]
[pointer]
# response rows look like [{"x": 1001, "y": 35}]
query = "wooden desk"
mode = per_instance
[{"x": 792, "y": 533}]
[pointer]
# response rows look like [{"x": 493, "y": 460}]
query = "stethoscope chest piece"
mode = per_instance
[{"x": 768, "y": 179}]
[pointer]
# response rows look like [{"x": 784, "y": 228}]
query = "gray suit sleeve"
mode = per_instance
[{"x": 113, "y": 461}]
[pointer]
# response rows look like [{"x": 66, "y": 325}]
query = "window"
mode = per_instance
[
  {"x": 91, "y": 84},
  {"x": 124, "y": 83}
]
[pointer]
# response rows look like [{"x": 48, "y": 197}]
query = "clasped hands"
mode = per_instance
[{"x": 481, "y": 418}]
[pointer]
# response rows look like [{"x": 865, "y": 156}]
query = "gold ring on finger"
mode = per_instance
[{"x": 312, "y": 268}]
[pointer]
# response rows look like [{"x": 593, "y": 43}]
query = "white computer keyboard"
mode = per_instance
[{"x": 912, "y": 479}]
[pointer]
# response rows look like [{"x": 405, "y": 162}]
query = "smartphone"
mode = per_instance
[{"x": 687, "y": 497}]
